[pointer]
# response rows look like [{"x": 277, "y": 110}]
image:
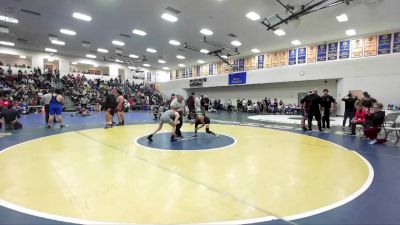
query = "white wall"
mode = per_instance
[
  {"x": 287, "y": 91},
  {"x": 372, "y": 74}
]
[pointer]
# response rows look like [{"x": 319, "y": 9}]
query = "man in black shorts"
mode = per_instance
[
  {"x": 109, "y": 106},
  {"x": 203, "y": 120}
]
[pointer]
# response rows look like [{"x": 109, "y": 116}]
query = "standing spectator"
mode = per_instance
[
  {"x": 349, "y": 108},
  {"x": 314, "y": 111},
  {"x": 109, "y": 107},
  {"x": 305, "y": 107},
  {"x": 328, "y": 105},
  {"x": 368, "y": 101},
  {"x": 120, "y": 108}
]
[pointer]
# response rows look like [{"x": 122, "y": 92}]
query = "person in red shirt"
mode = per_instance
[{"x": 359, "y": 117}]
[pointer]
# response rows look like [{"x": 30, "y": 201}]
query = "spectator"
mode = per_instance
[
  {"x": 359, "y": 117},
  {"x": 191, "y": 106},
  {"x": 374, "y": 123},
  {"x": 9, "y": 117},
  {"x": 349, "y": 108},
  {"x": 328, "y": 104}
]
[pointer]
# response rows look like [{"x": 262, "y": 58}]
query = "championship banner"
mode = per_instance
[
  {"x": 332, "y": 51},
  {"x": 396, "y": 42},
  {"x": 292, "y": 57},
  {"x": 260, "y": 62},
  {"x": 253, "y": 62},
  {"x": 275, "y": 58},
  {"x": 171, "y": 75},
  {"x": 301, "y": 55},
  {"x": 321, "y": 53},
  {"x": 220, "y": 68},
  {"x": 312, "y": 54},
  {"x": 197, "y": 71},
  {"x": 284, "y": 59},
  {"x": 236, "y": 64},
  {"x": 344, "y": 49},
  {"x": 268, "y": 60},
  {"x": 183, "y": 73},
  {"x": 190, "y": 72},
  {"x": 177, "y": 74},
  {"x": 370, "y": 46},
  {"x": 247, "y": 63},
  {"x": 356, "y": 48},
  {"x": 237, "y": 78},
  {"x": 210, "y": 69},
  {"x": 384, "y": 44},
  {"x": 241, "y": 64},
  {"x": 149, "y": 76},
  {"x": 204, "y": 70}
]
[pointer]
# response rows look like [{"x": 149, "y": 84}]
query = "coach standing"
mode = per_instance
[{"x": 179, "y": 104}]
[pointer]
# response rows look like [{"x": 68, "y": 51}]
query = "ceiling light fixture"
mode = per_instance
[
  {"x": 169, "y": 17},
  {"x": 181, "y": 65},
  {"x": 4, "y": 29},
  {"x": 280, "y": 32},
  {"x": 6, "y": 43},
  {"x": 91, "y": 56},
  {"x": 206, "y": 32},
  {"x": 180, "y": 57},
  {"x": 296, "y": 42},
  {"x": 151, "y": 50},
  {"x": 118, "y": 61},
  {"x": 200, "y": 61},
  {"x": 102, "y": 50},
  {"x": 139, "y": 32},
  {"x": 165, "y": 68},
  {"x": 224, "y": 56},
  {"x": 133, "y": 56},
  {"x": 22, "y": 56},
  {"x": 68, "y": 32},
  {"x": 74, "y": 63},
  {"x": 146, "y": 65},
  {"x": 351, "y": 32},
  {"x": 161, "y": 61},
  {"x": 253, "y": 16},
  {"x": 57, "y": 42},
  {"x": 342, "y": 18},
  {"x": 8, "y": 19},
  {"x": 50, "y": 50},
  {"x": 173, "y": 42},
  {"x": 236, "y": 43},
  {"x": 82, "y": 16},
  {"x": 255, "y": 50},
  {"x": 205, "y": 51},
  {"x": 119, "y": 43}
]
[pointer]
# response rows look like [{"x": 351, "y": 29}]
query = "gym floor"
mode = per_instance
[{"x": 255, "y": 172}]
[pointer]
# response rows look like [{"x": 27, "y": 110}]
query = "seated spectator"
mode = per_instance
[
  {"x": 374, "y": 123},
  {"x": 9, "y": 117},
  {"x": 359, "y": 117}
]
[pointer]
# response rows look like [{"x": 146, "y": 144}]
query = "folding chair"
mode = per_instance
[{"x": 392, "y": 123}]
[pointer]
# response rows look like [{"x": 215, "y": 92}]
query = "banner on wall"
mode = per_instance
[
  {"x": 268, "y": 60},
  {"x": 321, "y": 53},
  {"x": 177, "y": 74},
  {"x": 248, "y": 64},
  {"x": 171, "y": 75},
  {"x": 275, "y": 59},
  {"x": 236, "y": 64},
  {"x": 241, "y": 64},
  {"x": 149, "y": 76},
  {"x": 312, "y": 54},
  {"x": 190, "y": 72},
  {"x": 344, "y": 49},
  {"x": 260, "y": 62},
  {"x": 357, "y": 48},
  {"x": 237, "y": 78},
  {"x": 210, "y": 69},
  {"x": 197, "y": 71},
  {"x": 396, "y": 42},
  {"x": 292, "y": 57},
  {"x": 284, "y": 58},
  {"x": 370, "y": 46},
  {"x": 333, "y": 51},
  {"x": 219, "y": 68},
  {"x": 301, "y": 55},
  {"x": 384, "y": 44}
]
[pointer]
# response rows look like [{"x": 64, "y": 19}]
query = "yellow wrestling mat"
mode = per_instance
[{"x": 99, "y": 175}]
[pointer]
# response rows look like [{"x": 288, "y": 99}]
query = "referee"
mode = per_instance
[{"x": 179, "y": 104}]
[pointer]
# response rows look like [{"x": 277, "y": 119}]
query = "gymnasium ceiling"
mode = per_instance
[{"x": 110, "y": 18}]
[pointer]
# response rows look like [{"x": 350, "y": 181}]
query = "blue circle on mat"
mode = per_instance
[{"x": 203, "y": 141}]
